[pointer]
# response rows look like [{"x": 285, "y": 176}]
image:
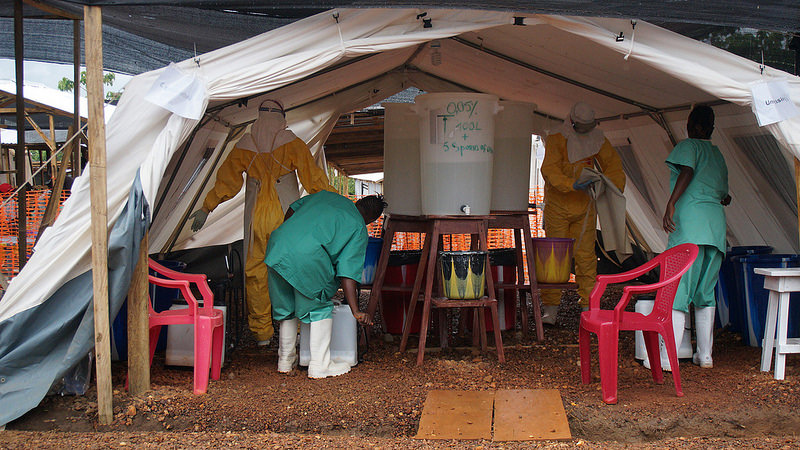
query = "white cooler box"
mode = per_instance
[
  {"x": 344, "y": 346},
  {"x": 180, "y": 341}
]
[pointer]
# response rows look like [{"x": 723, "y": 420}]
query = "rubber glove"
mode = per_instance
[
  {"x": 200, "y": 217},
  {"x": 582, "y": 186}
]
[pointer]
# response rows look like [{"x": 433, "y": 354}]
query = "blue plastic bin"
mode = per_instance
[
  {"x": 162, "y": 299},
  {"x": 751, "y": 287},
  {"x": 371, "y": 261},
  {"x": 730, "y": 304}
]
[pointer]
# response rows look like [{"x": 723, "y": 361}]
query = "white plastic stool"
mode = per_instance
[{"x": 780, "y": 283}]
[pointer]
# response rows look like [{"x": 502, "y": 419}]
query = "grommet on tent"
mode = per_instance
[{"x": 195, "y": 59}]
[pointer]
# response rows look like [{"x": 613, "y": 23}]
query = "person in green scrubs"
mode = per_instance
[
  {"x": 321, "y": 245},
  {"x": 695, "y": 214}
]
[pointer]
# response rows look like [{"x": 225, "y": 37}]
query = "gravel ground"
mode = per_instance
[{"x": 378, "y": 404}]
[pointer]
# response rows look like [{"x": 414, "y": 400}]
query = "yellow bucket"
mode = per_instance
[
  {"x": 463, "y": 274},
  {"x": 553, "y": 259}
]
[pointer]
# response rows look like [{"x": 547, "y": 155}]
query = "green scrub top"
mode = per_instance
[
  {"x": 699, "y": 216},
  {"x": 325, "y": 239}
]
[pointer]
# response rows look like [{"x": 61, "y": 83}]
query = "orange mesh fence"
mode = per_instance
[
  {"x": 497, "y": 238},
  {"x": 36, "y": 203}
]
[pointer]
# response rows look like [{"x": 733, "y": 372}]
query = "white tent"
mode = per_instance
[{"x": 341, "y": 61}]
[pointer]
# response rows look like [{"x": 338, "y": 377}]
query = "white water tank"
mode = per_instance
[
  {"x": 511, "y": 171},
  {"x": 456, "y": 148},
  {"x": 401, "y": 183}
]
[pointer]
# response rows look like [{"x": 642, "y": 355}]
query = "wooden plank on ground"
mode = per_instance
[
  {"x": 457, "y": 415},
  {"x": 529, "y": 414}
]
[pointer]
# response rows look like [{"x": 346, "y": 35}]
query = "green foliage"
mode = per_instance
[
  {"x": 750, "y": 44},
  {"x": 67, "y": 85}
]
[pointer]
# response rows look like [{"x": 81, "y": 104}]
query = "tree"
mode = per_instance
[
  {"x": 67, "y": 85},
  {"x": 752, "y": 44}
]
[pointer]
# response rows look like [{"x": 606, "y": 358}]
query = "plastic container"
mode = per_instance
[
  {"x": 77, "y": 379},
  {"x": 503, "y": 263},
  {"x": 401, "y": 271},
  {"x": 751, "y": 287},
  {"x": 401, "y": 172},
  {"x": 730, "y": 302},
  {"x": 463, "y": 274},
  {"x": 180, "y": 340},
  {"x": 456, "y": 152},
  {"x": 553, "y": 259},
  {"x": 161, "y": 299},
  {"x": 344, "y": 348},
  {"x": 511, "y": 168},
  {"x": 371, "y": 260},
  {"x": 645, "y": 306}
]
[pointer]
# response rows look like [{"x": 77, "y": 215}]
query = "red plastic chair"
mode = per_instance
[
  {"x": 208, "y": 322},
  {"x": 607, "y": 324}
]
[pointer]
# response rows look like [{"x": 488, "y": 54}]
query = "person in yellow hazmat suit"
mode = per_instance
[
  {"x": 268, "y": 152},
  {"x": 569, "y": 211}
]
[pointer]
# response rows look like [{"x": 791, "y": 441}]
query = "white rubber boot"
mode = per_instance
[
  {"x": 678, "y": 321},
  {"x": 704, "y": 320},
  {"x": 685, "y": 351},
  {"x": 320, "y": 365},
  {"x": 549, "y": 314},
  {"x": 287, "y": 345}
]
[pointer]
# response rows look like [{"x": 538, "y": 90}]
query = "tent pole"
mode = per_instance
[
  {"x": 93, "y": 23},
  {"x": 139, "y": 326},
  {"x": 19, "y": 153}
]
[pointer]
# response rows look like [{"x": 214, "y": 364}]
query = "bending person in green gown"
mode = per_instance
[
  {"x": 695, "y": 214},
  {"x": 322, "y": 244}
]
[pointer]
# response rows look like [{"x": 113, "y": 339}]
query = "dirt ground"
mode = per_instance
[{"x": 378, "y": 404}]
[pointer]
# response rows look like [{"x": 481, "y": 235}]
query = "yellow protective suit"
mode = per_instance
[
  {"x": 570, "y": 213},
  {"x": 267, "y": 212}
]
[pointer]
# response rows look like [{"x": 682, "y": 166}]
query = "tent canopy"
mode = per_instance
[
  {"x": 340, "y": 61},
  {"x": 142, "y": 35}
]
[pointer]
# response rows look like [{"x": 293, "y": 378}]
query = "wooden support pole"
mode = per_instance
[
  {"x": 58, "y": 187},
  {"x": 76, "y": 96},
  {"x": 139, "y": 326},
  {"x": 19, "y": 154},
  {"x": 93, "y": 22},
  {"x": 54, "y": 162}
]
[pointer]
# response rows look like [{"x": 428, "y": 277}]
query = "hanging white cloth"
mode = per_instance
[{"x": 610, "y": 205}]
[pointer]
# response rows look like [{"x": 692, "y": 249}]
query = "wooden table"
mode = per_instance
[
  {"x": 780, "y": 282},
  {"x": 434, "y": 227}
]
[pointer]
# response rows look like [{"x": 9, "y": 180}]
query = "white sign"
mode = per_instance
[
  {"x": 772, "y": 102},
  {"x": 178, "y": 92}
]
